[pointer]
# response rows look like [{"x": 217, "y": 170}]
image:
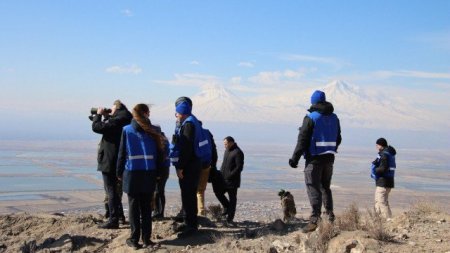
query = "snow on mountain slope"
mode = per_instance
[
  {"x": 217, "y": 104},
  {"x": 354, "y": 106}
]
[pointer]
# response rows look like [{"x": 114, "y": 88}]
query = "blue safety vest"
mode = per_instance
[
  {"x": 202, "y": 142},
  {"x": 141, "y": 150},
  {"x": 391, "y": 163},
  {"x": 325, "y": 134}
]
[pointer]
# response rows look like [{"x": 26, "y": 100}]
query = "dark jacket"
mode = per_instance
[
  {"x": 111, "y": 129},
  {"x": 383, "y": 167},
  {"x": 137, "y": 181},
  {"x": 214, "y": 152},
  {"x": 188, "y": 160},
  {"x": 306, "y": 131},
  {"x": 232, "y": 165}
]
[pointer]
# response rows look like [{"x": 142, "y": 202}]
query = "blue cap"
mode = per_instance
[
  {"x": 183, "y": 108},
  {"x": 317, "y": 96}
]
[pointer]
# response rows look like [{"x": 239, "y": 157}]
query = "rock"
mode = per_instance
[
  {"x": 352, "y": 241},
  {"x": 272, "y": 250},
  {"x": 439, "y": 240},
  {"x": 280, "y": 245},
  {"x": 412, "y": 243}
]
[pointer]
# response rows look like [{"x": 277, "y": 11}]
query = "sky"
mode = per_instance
[{"x": 59, "y": 58}]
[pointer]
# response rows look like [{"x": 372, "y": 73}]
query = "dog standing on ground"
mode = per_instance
[{"x": 288, "y": 205}]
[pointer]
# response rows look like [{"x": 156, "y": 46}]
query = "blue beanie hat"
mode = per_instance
[
  {"x": 318, "y": 96},
  {"x": 183, "y": 108}
]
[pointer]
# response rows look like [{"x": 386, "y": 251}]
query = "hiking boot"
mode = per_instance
[
  {"x": 133, "y": 244},
  {"x": 150, "y": 244},
  {"x": 109, "y": 225},
  {"x": 309, "y": 228},
  {"x": 181, "y": 227},
  {"x": 158, "y": 216},
  {"x": 189, "y": 231},
  {"x": 179, "y": 217},
  {"x": 122, "y": 220},
  {"x": 106, "y": 215}
]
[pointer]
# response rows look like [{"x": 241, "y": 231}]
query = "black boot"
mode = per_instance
[{"x": 106, "y": 211}]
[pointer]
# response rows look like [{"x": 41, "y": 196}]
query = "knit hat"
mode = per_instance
[
  {"x": 382, "y": 142},
  {"x": 318, "y": 96},
  {"x": 183, "y": 108}
]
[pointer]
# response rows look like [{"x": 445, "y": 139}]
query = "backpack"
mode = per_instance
[{"x": 202, "y": 143}]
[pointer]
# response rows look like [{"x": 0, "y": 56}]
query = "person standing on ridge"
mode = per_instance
[
  {"x": 110, "y": 129},
  {"x": 383, "y": 171},
  {"x": 141, "y": 158},
  {"x": 232, "y": 166},
  {"x": 186, "y": 162},
  {"x": 318, "y": 140},
  {"x": 204, "y": 176}
]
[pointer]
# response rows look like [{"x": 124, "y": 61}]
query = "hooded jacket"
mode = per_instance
[
  {"x": 232, "y": 166},
  {"x": 386, "y": 167},
  {"x": 306, "y": 133},
  {"x": 111, "y": 131}
]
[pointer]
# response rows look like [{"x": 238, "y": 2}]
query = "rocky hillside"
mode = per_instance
[{"x": 422, "y": 228}]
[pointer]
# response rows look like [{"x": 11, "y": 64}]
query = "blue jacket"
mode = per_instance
[
  {"x": 139, "y": 160},
  {"x": 383, "y": 168}
]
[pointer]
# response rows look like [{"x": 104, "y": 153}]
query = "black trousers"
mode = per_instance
[
  {"x": 160, "y": 196},
  {"x": 229, "y": 204},
  {"x": 188, "y": 186},
  {"x": 110, "y": 184},
  {"x": 318, "y": 181},
  {"x": 140, "y": 212}
]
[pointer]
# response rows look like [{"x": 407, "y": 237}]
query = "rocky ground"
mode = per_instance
[{"x": 422, "y": 228}]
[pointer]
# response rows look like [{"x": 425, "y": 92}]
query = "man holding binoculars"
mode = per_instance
[{"x": 110, "y": 128}]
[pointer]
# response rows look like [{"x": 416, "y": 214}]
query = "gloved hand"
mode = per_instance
[{"x": 292, "y": 163}]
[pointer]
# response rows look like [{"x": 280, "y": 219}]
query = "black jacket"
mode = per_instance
[
  {"x": 306, "y": 131},
  {"x": 111, "y": 130},
  {"x": 387, "y": 182},
  {"x": 232, "y": 165},
  {"x": 188, "y": 160},
  {"x": 137, "y": 181}
]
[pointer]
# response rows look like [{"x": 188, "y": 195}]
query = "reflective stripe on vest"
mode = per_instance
[
  {"x": 146, "y": 157},
  {"x": 326, "y": 144}
]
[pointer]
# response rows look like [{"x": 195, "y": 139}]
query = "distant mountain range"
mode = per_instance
[{"x": 354, "y": 106}]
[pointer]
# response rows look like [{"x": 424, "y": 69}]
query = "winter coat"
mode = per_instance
[
  {"x": 111, "y": 131},
  {"x": 232, "y": 166},
  {"x": 138, "y": 177},
  {"x": 386, "y": 162},
  {"x": 306, "y": 132},
  {"x": 188, "y": 160}
]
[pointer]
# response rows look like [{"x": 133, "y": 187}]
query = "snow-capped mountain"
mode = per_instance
[
  {"x": 217, "y": 104},
  {"x": 354, "y": 106}
]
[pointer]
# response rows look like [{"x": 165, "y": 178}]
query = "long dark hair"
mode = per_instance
[{"x": 139, "y": 112}]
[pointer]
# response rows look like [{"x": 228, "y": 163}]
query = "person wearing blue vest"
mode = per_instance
[
  {"x": 141, "y": 158},
  {"x": 187, "y": 164},
  {"x": 318, "y": 141},
  {"x": 383, "y": 171}
]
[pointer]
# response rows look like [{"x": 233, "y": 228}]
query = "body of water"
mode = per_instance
[{"x": 29, "y": 168}]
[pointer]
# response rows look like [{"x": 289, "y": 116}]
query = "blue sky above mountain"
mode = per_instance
[{"x": 58, "y": 59}]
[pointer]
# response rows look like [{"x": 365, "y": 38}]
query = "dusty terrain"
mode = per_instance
[{"x": 423, "y": 227}]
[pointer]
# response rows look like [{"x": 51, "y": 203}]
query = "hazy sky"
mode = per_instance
[{"x": 58, "y": 58}]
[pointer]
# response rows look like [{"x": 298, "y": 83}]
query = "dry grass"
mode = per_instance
[
  {"x": 375, "y": 226},
  {"x": 326, "y": 231},
  {"x": 215, "y": 211},
  {"x": 350, "y": 219},
  {"x": 425, "y": 207}
]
